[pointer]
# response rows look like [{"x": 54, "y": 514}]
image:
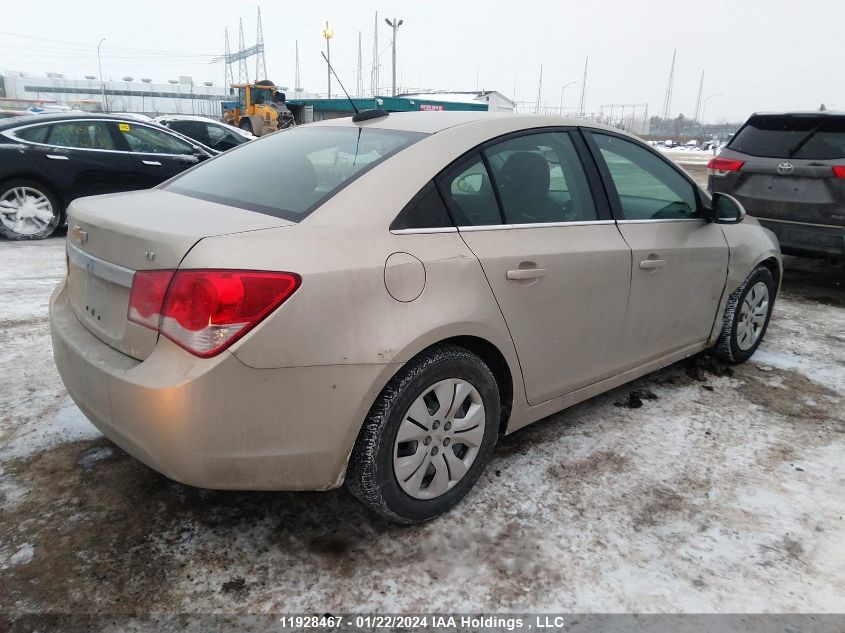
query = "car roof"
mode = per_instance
[
  {"x": 802, "y": 113},
  {"x": 187, "y": 117},
  {"x": 62, "y": 116},
  {"x": 433, "y": 122}
]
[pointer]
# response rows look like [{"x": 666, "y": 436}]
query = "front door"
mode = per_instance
[
  {"x": 680, "y": 261},
  {"x": 554, "y": 259},
  {"x": 157, "y": 155}
]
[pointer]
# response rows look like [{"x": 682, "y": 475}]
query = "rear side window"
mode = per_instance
[
  {"x": 540, "y": 179},
  {"x": 425, "y": 211},
  {"x": 37, "y": 134},
  {"x": 290, "y": 173},
  {"x": 469, "y": 194},
  {"x": 792, "y": 136},
  {"x": 81, "y": 135}
]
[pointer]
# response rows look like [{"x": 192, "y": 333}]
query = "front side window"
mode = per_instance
[
  {"x": 290, "y": 173},
  {"x": 648, "y": 187},
  {"x": 468, "y": 192},
  {"x": 81, "y": 135},
  {"x": 146, "y": 140},
  {"x": 540, "y": 179}
]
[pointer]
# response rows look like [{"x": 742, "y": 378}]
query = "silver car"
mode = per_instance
[{"x": 376, "y": 302}]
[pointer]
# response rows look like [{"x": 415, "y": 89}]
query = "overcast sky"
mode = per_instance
[{"x": 761, "y": 54}]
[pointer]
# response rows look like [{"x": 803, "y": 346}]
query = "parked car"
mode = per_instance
[
  {"x": 8, "y": 114},
  {"x": 788, "y": 170},
  {"x": 379, "y": 302},
  {"x": 46, "y": 161},
  {"x": 219, "y": 136}
]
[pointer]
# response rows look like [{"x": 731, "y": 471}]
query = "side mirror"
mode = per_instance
[{"x": 726, "y": 209}]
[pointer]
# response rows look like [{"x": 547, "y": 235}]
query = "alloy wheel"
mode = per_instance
[{"x": 26, "y": 211}]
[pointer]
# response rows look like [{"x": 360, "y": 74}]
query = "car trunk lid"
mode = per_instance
[{"x": 110, "y": 237}]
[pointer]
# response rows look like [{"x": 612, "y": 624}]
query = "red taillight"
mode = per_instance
[
  {"x": 205, "y": 311},
  {"x": 721, "y": 166},
  {"x": 839, "y": 171}
]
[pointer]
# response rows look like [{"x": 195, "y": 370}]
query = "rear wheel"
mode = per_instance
[
  {"x": 428, "y": 436},
  {"x": 28, "y": 210},
  {"x": 747, "y": 317}
]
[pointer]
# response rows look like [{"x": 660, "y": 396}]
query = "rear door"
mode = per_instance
[
  {"x": 80, "y": 158},
  {"x": 554, "y": 259},
  {"x": 156, "y": 154},
  {"x": 680, "y": 261},
  {"x": 787, "y": 168}
]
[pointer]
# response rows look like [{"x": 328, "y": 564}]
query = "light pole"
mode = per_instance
[
  {"x": 704, "y": 109},
  {"x": 105, "y": 105},
  {"x": 395, "y": 24},
  {"x": 328, "y": 33},
  {"x": 571, "y": 83}
]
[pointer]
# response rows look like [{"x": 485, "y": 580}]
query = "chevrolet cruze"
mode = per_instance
[{"x": 376, "y": 301}]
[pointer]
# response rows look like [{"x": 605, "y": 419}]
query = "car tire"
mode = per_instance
[
  {"x": 377, "y": 465},
  {"x": 746, "y": 317},
  {"x": 31, "y": 197}
]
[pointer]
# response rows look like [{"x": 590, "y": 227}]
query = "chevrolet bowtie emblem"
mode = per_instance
[{"x": 78, "y": 234}]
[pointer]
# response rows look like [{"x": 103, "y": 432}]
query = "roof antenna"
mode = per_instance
[{"x": 366, "y": 115}]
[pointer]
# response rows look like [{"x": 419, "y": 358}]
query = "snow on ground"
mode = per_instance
[{"x": 721, "y": 494}]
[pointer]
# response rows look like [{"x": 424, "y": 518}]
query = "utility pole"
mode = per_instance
[
  {"x": 328, "y": 33},
  {"x": 698, "y": 101},
  {"x": 395, "y": 24},
  {"x": 360, "y": 86},
  {"x": 539, "y": 91},
  {"x": 105, "y": 104},
  {"x": 562, "y": 90},
  {"x": 374, "y": 70},
  {"x": 583, "y": 89},
  {"x": 297, "y": 83},
  {"x": 667, "y": 102}
]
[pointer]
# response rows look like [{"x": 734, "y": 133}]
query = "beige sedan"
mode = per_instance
[{"x": 376, "y": 302}]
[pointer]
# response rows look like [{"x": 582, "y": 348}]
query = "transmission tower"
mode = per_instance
[
  {"x": 257, "y": 50},
  {"x": 667, "y": 102},
  {"x": 260, "y": 59},
  {"x": 698, "y": 101},
  {"x": 583, "y": 89},
  {"x": 229, "y": 78},
  {"x": 296, "y": 86},
  {"x": 539, "y": 91},
  {"x": 360, "y": 84},
  {"x": 243, "y": 73},
  {"x": 374, "y": 79}
]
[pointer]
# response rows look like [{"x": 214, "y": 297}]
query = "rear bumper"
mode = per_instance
[
  {"x": 807, "y": 239},
  {"x": 217, "y": 423}
]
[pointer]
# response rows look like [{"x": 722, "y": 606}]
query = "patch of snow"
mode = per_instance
[
  {"x": 829, "y": 376},
  {"x": 67, "y": 425},
  {"x": 21, "y": 556},
  {"x": 94, "y": 455}
]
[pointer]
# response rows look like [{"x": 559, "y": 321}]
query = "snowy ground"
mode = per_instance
[{"x": 723, "y": 494}]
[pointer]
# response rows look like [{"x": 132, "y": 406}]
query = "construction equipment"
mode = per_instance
[{"x": 260, "y": 108}]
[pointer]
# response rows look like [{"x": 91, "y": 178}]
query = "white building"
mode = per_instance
[
  {"x": 182, "y": 96},
  {"x": 495, "y": 100}
]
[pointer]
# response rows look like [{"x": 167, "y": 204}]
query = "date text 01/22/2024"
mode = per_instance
[{"x": 428, "y": 622}]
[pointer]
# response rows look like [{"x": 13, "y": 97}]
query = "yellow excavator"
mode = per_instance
[{"x": 260, "y": 108}]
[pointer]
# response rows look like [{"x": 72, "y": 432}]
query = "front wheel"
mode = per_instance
[
  {"x": 747, "y": 317},
  {"x": 428, "y": 436},
  {"x": 28, "y": 210}
]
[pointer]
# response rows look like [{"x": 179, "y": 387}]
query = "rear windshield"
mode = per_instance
[
  {"x": 291, "y": 173},
  {"x": 792, "y": 136}
]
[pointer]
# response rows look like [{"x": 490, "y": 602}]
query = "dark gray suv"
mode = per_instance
[{"x": 788, "y": 170}]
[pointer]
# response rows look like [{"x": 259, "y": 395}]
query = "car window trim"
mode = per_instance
[
  {"x": 610, "y": 186},
  {"x": 10, "y": 134}
]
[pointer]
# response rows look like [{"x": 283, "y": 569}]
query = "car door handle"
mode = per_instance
[
  {"x": 525, "y": 273},
  {"x": 651, "y": 264},
  {"x": 151, "y": 162},
  {"x": 57, "y": 157}
]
